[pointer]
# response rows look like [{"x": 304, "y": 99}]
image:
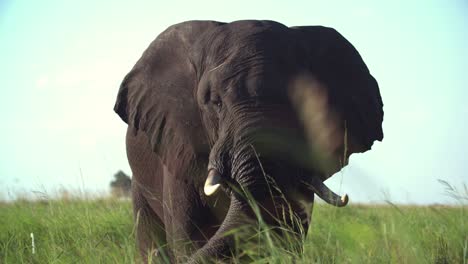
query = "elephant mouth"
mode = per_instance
[{"x": 305, "y": 191}]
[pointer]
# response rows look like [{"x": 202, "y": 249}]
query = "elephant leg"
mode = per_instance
[
  {"x": 178, "y": 214},
  {"x": 147, "y": 184},
  {"x": 149, "y": 228},
  {"x": 188, "y": 219}
]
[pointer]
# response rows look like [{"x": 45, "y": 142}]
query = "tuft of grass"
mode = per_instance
[
  {"x": 366, "y": 234},
  {"x": 67, "y": 231},
  {"x": 101, "y": 231}
]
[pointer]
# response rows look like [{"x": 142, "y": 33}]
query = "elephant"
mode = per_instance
[{"x": 218, "y": 113}]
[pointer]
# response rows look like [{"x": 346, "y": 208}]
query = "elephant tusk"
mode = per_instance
[
  {"x": 319, "y": 188},
  {"x": 212, "y": 183}
]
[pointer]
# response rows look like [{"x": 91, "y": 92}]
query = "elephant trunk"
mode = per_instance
[{"x": 220, "y": 245}]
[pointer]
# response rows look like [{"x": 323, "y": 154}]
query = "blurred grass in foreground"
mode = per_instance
[{"x": 101, "y": 231}]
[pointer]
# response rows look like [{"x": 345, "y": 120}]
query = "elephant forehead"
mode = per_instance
[
  {"x": 255, "y": 78},
  {"x": 240, "y": 41}
]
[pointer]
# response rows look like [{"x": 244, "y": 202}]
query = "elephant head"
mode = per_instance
[{"x": 248, "y": 103}]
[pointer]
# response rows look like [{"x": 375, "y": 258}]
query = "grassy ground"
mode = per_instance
[{"x": 101, "y": 231}]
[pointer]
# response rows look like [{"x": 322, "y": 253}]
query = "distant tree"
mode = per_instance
[{"x": 121, "y": 185}]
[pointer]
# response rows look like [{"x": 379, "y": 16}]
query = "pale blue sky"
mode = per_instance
[{"x": 61, "y": 63}]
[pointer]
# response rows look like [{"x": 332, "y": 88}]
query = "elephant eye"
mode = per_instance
[{"x": 218, "y": 103}]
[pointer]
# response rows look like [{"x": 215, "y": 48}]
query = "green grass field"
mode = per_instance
[{"x": 102, "y": 231}]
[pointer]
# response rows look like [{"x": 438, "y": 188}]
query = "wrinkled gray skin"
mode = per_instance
[{"x": 210, "y": 98}]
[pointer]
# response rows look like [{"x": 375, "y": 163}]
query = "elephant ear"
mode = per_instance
[
  {"x": 158, "y": 95},
  {"x": 346, "y": 109}
]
